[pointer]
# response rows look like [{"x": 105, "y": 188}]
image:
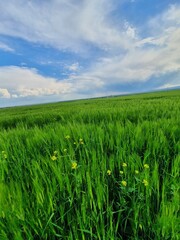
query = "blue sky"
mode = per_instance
[{"x": 56, "y": 50}]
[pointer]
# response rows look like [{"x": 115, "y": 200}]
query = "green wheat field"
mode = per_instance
[{"x": 104, "y": 169}]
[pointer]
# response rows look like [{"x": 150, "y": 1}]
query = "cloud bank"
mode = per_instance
[{"x": 28, "y": 82}]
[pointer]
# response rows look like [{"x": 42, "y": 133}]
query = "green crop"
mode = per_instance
[{"x": 102, "y": 169}]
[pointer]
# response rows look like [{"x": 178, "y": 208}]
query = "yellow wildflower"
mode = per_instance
[
  {"x": 124, "y": 183},
  {"x": 4, "y": 154},
  {"x": 67, "y": 137},
  {"x": 81, "y": 141},
  {"x": 145, "y": 183},
  {"x": 109, "y": 172},
  {"x": 53, "y": 158},
  {"x": 146, "y": 166},
  {"x": 124, "y": 164},
  {"x": 121, "y": 172},
  {"x": 136, "y": 172},
  {"x": 74, "y": 165}
]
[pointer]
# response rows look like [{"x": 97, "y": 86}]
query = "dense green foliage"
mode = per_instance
[{"x": 92, "y": 169}]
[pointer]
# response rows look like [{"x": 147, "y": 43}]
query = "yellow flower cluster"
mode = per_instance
[
  {"x": 109, "y": 172},
  {"x": 54, "y": 156},
  {"x": 74, "y": 165},
  {"x": 124, "y": 164},
  {"x": 81, "y": 141},
  {"x": 146, "y": 166},
  {"x": 145, "y": 182},
  {"x": 67, "y": 137},
  {"x": 124, "y": 183},
  {"x": 4, "y": 154}
]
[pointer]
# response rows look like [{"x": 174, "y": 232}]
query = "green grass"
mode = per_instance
[{"x": 41, "y": 198}]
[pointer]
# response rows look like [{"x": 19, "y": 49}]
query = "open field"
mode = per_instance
[{"x": 91, "y": 169}]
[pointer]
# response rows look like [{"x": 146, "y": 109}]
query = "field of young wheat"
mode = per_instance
[{"x": 91, "y": 169}]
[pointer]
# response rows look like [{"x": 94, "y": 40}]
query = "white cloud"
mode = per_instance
[
  {"x": 130, "y": 30},
  {"x": 168, "y": 19},
  {"x": 73, "y": 67},
  {"x": 23, "y": 82},
  {"x": 63, "y": 24},
  {"x": 4, "y": 93},
  {"x": 5, "y": 47},
  {"x": 141, "y": 64},
  {"x": 169, "y": 85},
  {"x": 154, "y": 56}
]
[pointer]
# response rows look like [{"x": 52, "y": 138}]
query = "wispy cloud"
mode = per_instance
[
  {"x": 6, "y": 48},
  {"x": 73, "y": 67},
  {"x": 63, "y": 24},
  {"x": 169, "y": 85}
]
